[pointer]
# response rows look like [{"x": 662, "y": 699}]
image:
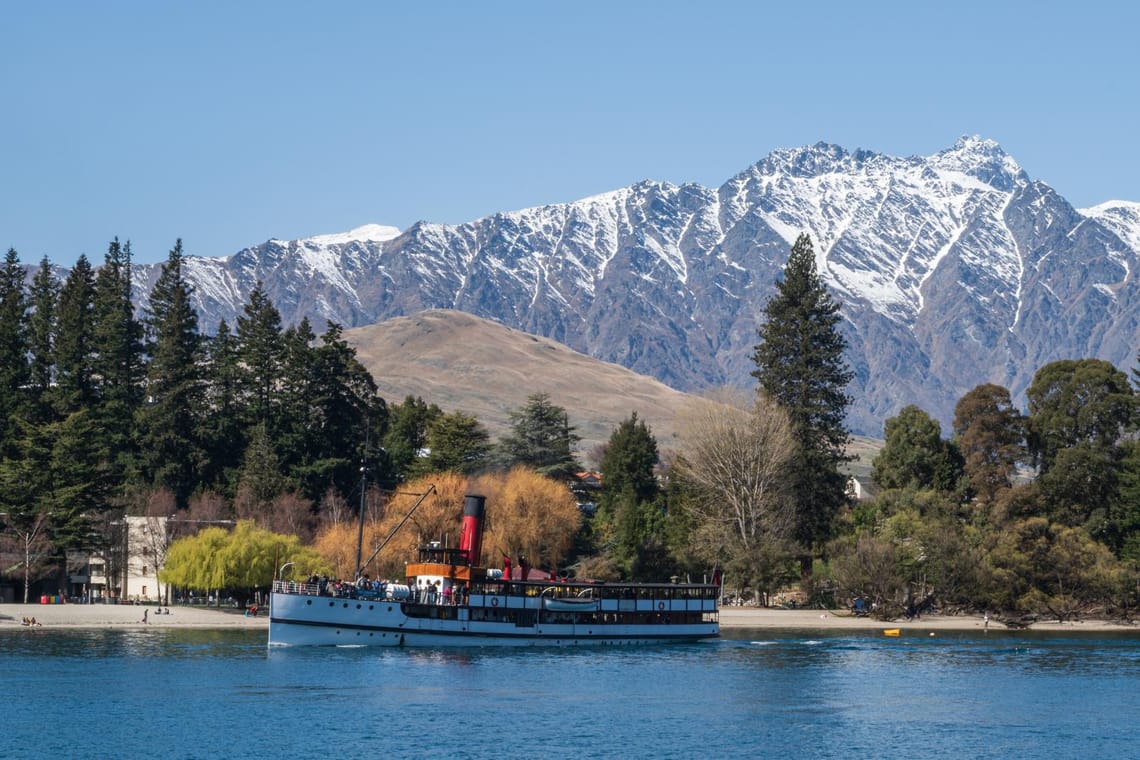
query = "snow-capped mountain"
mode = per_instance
[{"x": 953, "y": 270}]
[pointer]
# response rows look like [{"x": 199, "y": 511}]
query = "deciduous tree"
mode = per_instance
[
  {"x": 734, "y": 462},
  {"x": 991, "y": 436}
]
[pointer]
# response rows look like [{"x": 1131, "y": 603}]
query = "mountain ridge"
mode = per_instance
[{"x": 952, "y": 270}]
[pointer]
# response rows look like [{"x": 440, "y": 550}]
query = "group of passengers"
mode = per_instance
[
  {"x": 423, "y": 592},
  {"x": 429, "y": 592}
]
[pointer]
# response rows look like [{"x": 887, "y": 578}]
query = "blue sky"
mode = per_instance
[{"x": 228, "y": 123}]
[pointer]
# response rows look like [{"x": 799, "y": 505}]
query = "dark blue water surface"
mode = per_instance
[{"x": 170, "y": 693}]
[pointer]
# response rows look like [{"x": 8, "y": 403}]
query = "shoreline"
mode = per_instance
[
  {"x": 125, "y": 616},
  {"x": 130, "y": 616},
  {"x": 831, "y": 620}
]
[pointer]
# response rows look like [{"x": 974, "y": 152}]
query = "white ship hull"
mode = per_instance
[{"x": 310, "y": 620}]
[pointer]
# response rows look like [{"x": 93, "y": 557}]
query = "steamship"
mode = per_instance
[{"x": 447, "y": 601}]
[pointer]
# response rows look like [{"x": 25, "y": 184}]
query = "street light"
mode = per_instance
[{"x": 281, "y": 572}]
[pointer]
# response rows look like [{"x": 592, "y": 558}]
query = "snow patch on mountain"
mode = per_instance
[
  {"x": 368, "y": 233},
  {"x": 1122, "y": 217}
]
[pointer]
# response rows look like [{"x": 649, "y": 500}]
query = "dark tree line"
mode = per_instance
[
  {"x": 99, "y": 405},
  {"x": 109, "y": 407}
]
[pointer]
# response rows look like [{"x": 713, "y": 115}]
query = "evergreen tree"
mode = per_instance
[
  {"x": 25, "y": 485},
  {"x": 455, "y": 442},
  {"x": 117, "y": 348},
  {"x": 261, "y": 351},
  {"x": 540, "y": 438},
  {"x": 74, "y": 341},
  {"x": 79, "y": 485},
  {"x": 629, "y": 461},
  {"x": 630, "y": 499},
  {"x": 222, "y": 431},
  {"x": 51, "y": 488},
  {"x": 914, "y": 455},
  {"x": 14, "y": 372},
  {"x": 406, "y": 433},
  {"x": 1122, "y": 531},
  {"x": 41, "y": 338},
  {"x": 343, "y": 408},
  {"x": 296, "y": 431},
  {"x": 261, "y": 478},
  {"x": 168, "y": 426},
  {"x": 800, "y": 364}
]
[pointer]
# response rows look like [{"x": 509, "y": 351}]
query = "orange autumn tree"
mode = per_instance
[
  {"x": 527, "y": 514},
  {"x": 438, "y": 518}
]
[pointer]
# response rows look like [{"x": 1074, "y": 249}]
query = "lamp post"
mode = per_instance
[{"x": 281, "y": 572}]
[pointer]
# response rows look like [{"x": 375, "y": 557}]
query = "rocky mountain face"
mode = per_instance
[{"x": 952, "y": 270}]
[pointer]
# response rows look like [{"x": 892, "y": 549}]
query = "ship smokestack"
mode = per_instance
[{"x": 471, "y": 542}]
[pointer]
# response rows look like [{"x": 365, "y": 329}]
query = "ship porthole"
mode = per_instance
[
  {"x": 371, "y": 607},
  {"x": 332, "y": 604},
  {"x": 358, "y": 606},
  {"x": 308, "y": 601}
]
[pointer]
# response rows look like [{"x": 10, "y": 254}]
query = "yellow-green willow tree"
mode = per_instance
[{"x": 246, "y": 557}]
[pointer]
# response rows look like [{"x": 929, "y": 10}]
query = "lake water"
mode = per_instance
[{"x": 173, "y": 693}]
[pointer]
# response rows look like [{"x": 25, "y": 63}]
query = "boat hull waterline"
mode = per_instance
[{"x": 306, "y": 620}]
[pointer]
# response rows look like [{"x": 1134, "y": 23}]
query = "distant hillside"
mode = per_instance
[{"x": 464, "y": 363}]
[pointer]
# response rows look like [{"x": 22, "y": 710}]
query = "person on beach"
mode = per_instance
[{"x": 144, "y": 616}]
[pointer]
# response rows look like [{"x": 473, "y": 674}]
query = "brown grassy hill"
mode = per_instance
[{"x": 463, "y": 363}]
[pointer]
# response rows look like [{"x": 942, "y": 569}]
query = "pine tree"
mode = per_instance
[
  {"x": 74, "y": 341},
  {"x": 118, "y": 366},
  {"x": 405, "y": 435},
  {"x": 41, "y": 338},
  {"x": 168, "y": 425},
  {"x": 342, "y": 404},
  {"x": 261, "y": 349},
  {"x": 297, "y": 429},
  {"x": 629, "y": 461},
  {"x": 222, "y": 433},
  {"x": 14, "y": 372},
  {"x": 630, "y": 500},
  {"x": 800, "y": 364}
]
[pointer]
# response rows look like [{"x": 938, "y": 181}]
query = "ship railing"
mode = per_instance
[{"x": 296, "y": 587}]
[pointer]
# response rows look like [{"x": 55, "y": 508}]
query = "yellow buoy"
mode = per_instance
[{"x": 891, "y": 631}]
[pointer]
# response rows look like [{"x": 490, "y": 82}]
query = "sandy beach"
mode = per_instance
[{"x": 125, "y": 616}]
